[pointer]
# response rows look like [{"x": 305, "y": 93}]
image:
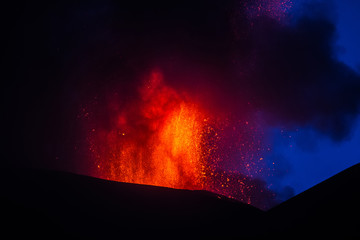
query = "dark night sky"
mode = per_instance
[{"x": 303, "y": 76}]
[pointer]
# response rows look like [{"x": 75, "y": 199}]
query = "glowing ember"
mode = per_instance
[
  {"x": 158, "y": 144},
  {"x": 163, "y": 138}
]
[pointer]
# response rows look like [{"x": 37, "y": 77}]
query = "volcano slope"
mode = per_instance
[
  {"x": 49, "y": 203},
  {"x": 330, "y": 208}
]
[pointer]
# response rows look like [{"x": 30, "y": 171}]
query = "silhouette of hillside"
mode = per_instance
[
  {"x": 69, "y": 204},
  {"x": 330, "y": 208},
  {"x": 50, "y": 203}
]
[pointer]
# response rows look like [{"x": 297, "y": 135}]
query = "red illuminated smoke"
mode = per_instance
[{"x": 164, "y": 138}]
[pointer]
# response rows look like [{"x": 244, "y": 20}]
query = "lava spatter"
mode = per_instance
[{"x": 164, "y": 138}]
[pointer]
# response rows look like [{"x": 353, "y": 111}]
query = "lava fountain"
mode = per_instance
[{"x": 164, "y": 138}]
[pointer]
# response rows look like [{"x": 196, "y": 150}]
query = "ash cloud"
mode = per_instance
[
  {"x": 69, "y": 52},
  {"x": 298, "y": 78},
  {"x": 213, "y": 50}
]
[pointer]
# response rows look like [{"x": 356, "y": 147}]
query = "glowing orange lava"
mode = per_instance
[
  {"x": 158, "y": 144},
  {"x": 162, "y": 137}
]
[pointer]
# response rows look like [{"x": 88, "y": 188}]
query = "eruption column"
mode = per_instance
[{"x": 164, "y": 138}]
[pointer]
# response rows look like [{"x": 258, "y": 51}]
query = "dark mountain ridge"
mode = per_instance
[{"x": 50, "y": 203}]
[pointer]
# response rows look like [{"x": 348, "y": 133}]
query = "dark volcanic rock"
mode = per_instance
[
  {"x": 45, "y": 201},
  {"x": 330, "y": 208},
  {"x": 48, "y": 203}
]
